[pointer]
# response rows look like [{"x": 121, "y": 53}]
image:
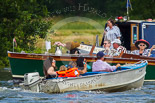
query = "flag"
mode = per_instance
[
  {"x": 128, "y": 4},
  {"x": 14, "y": 40}
]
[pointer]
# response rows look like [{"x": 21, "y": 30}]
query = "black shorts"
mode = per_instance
[{"x": 51, "y": 76}]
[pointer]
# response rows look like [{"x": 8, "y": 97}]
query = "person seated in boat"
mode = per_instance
[
  {"x": 142, "y": 46},
  {"x": 72, "y": 70},
  {"x": 108, "y": 51},
  {"x": 101, "y": 66},
  {"x": 81, "y": 62},
  {"x": 106, "y": 45},
  {"x": 117, "y": 46},
  {"x": 49, "y": 67},
  {"x": 73, "y": 64},
  {"x": 63, "y": 68}
]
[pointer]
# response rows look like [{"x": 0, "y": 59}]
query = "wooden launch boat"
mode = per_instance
[
  {"x": 22, "y": 63},
  {"x": 129, "y": 77}
]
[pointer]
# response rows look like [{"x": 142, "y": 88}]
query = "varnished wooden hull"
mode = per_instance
[{"x": 22, "y": 63}]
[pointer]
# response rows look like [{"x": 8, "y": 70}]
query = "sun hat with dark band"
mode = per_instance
[{"x": 142, "y": 41}]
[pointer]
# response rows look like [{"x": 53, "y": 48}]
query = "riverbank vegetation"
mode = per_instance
[{"x": 30, "y": 21}]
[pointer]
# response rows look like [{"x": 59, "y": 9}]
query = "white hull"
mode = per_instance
[{"x": 109, "y": 82}]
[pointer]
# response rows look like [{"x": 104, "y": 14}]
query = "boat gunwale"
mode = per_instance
[
  {"x": 73, "y": 55},
  {"x": 67, "y": 57},
  {"x": 52, "y": 54}
]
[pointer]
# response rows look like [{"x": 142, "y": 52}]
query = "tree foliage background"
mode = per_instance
[
  {"x": 25, "y": 20},
  {"x": 22, "y": 20}
]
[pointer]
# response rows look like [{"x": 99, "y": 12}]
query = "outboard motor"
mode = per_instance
[
  {"x": 31, "y": 82},
  {"x": 30, "y": 78}
]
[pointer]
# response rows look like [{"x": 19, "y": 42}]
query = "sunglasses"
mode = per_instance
[
  {"x": 105, "y": 43},
  {"x": 141, "y": 45}
]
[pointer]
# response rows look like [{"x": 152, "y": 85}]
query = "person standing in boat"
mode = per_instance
[
  {"x": 111, "y": 32},
  {"x": 49, "y": 67},
  {"x": 142, "y": 46},
  {"x": 101, "y": 66},
  {"x": 117, "y": 46}
]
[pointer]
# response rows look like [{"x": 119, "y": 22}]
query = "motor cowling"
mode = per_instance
[{"x": 30, "y": 78}]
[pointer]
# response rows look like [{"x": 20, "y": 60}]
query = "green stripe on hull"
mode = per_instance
[
  {"x": 150, "y": 72},
  {"x": 22, "y": 66}
]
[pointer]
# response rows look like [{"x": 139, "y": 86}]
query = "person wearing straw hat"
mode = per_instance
[{"x": 142, "y": 46}]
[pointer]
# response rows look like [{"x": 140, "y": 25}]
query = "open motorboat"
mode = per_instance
[{"x": 130, "y": 76}]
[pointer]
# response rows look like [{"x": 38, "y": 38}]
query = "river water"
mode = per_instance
[{"x": 13, "y": 94}]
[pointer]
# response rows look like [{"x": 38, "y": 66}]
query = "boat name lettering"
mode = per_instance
[
  {"x": 140, "y": 70},
  {"x": 86, "y": 47},
  {"x": 34, "y": 56},
  {"x": 81, "y": 84}
]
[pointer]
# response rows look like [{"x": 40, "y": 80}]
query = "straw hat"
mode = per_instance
[
  {"x": 72, "y": 45},
  {"x": 142, "y": 41}
]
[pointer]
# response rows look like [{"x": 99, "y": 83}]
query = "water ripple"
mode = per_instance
[{"x": 13, "y": 94}]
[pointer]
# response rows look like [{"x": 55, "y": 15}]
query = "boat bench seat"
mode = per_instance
[{"x": 92, "y": 73}]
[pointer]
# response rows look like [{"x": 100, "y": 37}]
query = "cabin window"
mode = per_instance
[{"x": 134, "y": 34}]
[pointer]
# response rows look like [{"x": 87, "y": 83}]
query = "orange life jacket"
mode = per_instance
[{"x": 68, "y": 73}]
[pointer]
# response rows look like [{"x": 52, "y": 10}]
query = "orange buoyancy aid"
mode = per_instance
[{"x": 68, "y": 73}]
